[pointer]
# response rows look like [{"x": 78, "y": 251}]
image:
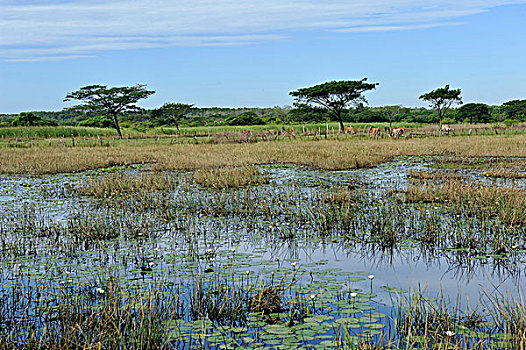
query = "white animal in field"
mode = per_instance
[{"x": 446, "y": 129}]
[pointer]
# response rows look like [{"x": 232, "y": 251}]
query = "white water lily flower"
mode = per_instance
[
  {"x": 293, "y": 264},
  {"x": 371, "y": 277},
  {"x": 312, "y": 296},
  {"x": 99, "y": 290},
  {"x": 354, "y": 295}
]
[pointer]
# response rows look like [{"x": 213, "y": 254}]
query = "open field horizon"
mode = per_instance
[{"x": 333, "y": 154}]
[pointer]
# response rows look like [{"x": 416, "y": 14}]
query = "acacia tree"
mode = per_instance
[
  {"x": 174, "y": 112},
  {"x": 110, "y": 102},
  {"x": 334, "y": 96},
  {"x": 442, "y": 99}
]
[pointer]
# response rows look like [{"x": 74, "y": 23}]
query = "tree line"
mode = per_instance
[{"x": 340, "y": 101}]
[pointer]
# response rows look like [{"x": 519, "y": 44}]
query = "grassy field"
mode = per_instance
[
  {"x": 332, "y": 154},
  {"x": 35, "y": 133},
  {"x": 298, "y": 128},
  {"x": 44, "y": 132}
]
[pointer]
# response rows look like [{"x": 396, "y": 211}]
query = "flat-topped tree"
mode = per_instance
[
  {"x": 110, "y": 102},
  {"x": 335, "y": 96},
  {"x": 174, "y": 112},
  {"x": 442, "y": 99}
]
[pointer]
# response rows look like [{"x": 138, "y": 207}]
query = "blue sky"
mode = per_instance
[{"x": 237, "y": 53}]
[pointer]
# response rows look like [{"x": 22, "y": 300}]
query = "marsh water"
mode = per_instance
[{"x": 278, "y": 232}]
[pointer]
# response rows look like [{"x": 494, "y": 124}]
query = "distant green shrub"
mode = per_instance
[
  {"x": 31, "y": 119},
  {"x": 474, "y": 113},
  {"x": 246, "y": 118},
  {"x": 510, "y": 122},
  {"x": 100, "y": 121}
]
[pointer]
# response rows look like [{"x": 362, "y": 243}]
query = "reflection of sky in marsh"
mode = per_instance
[
  {"x": 406, "y": 268},
  {"x": 385, "y": 176}
]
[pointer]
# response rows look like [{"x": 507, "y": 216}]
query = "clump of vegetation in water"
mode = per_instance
[
  {"x": 229, "y": 177},
  {"x": 431, "y": 323},
  {"x": 120, "y": 184},
  {"x": 508, "y": 204}
]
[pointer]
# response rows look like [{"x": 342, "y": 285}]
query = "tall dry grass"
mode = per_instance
[
  {"x": 508, "y": 204},
  {"x": 326, "y": 154},
  {"x": 229, "y": 177},
  {"x": 117, "y": 184}
]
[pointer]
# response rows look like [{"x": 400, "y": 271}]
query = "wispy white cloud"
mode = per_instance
[
  {"x": 47, "y": 58},
  {"x": 365, "y": 29},
  {"x": 47, "y": 30}
]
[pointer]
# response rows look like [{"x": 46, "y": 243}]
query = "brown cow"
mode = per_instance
[
  {"x": 349, "y": 130},
  {"x": 374, "y": 131}
]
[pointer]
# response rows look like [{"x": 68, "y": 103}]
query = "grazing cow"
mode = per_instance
[
  {"x": 349, "y": 130},
  {"x": 398, "y": 132},
  {"x": 446, "y": 129},
  {"x": 374, "y": 131}
]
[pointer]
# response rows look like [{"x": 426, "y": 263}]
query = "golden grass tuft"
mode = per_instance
[
  {"x": 229, "y": 177},
  {"x": 509, "y": 204},
  {"x": 118, "y": 184},
  {"x": 504, "y": 173}
]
